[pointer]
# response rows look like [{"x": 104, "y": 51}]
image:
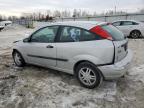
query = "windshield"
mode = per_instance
[{"x": 114, "y": 32}]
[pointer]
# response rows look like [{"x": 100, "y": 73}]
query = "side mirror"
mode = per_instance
[{"x": 26, "y": 40}]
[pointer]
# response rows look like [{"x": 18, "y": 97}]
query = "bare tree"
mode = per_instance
[
  {"x": 65, "y": 13},
  {"x": 76, "y": 13},
  {"x": 57, "y": 13},
  {"x": 142, "y": 11},
  {"x": 94, "y": 14},
  {"x": 85, "y": 14},
  {"x": 0, "y": 17}
]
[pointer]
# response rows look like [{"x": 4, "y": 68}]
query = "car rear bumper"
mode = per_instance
[{"x": 118, "y": 69}]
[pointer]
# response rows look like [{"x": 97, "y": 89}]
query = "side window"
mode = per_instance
[
  {"x": 73, "y": 34},
  {"x": 116, "y": 23},
  {"x": 126, "y": 23},
  {"x": 70, "y": 34},
  {"x": 134, "y": 23},
  {"x": 88, "y": 36},
  {"x": 45, "y": 35}
]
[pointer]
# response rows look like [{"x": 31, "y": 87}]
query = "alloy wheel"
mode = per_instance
[
  {"x": 135, "y": 34},
  {"x": 87, "y": 76},
  {"x": 17, "y": 59}
]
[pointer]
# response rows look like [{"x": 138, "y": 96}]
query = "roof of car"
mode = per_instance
[
  {"x": 82, "y": 24},
  {"x": 126, "y": 20}
]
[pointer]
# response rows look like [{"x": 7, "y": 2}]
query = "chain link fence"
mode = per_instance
[
  {"x": 29, "y": 23},
  {"x": 106, "y": 18}
]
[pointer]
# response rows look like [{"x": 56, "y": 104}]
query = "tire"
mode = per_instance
[
  {"x": 88, "y": 75},
  {"x": 135, "y": 34},
  {"x": 18, "y": 59},
  {"x": 1, "y": 29}
]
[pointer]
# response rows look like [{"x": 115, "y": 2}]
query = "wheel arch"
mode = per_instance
[
  {"x": 16, "y": 50},
  {"x": 135, "y": 30},
  {"x": 81, "y": 61}
]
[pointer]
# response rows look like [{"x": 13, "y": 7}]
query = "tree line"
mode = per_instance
[{"x": 50, "y": 15}]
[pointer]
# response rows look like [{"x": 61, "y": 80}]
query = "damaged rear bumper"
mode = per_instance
[{"x": 118, "y": 69}]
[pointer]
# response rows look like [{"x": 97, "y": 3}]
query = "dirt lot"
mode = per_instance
[{"x": 35, "y": 87}]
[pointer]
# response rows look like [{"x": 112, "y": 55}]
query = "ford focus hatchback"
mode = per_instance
[{"x": 92, "y": 51}]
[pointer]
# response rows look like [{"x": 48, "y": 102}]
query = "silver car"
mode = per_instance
[
  {"x": 130, "y": 28},
  {"x": 92, "y": 51}
]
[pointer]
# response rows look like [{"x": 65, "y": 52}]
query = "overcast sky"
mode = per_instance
[{"x": 16, "y": 7}]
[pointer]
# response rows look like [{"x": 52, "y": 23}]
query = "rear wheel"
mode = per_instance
[
  {"x": 135, "y": 34},
  {"x": 88, "y": 75},
  {"x": 18, "y": 59}
]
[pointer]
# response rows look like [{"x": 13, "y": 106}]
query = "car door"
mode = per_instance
[
  {"x": 41, "y": 49},
  {"x": 67, "y": 47},
  {"x": 126, "y": 27}
]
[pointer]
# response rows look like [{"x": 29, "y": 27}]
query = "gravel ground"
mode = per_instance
[{"x": 36, "y": 87}]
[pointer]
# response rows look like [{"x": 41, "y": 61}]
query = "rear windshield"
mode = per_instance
[{"x": 114, "y": 32}]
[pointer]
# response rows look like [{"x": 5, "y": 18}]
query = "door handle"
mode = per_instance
[{"x": 49, "y": 46}]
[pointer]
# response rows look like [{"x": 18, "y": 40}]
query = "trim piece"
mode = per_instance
[
  {"x": 51, "y": 58},
  {"x": 104, "y": 64}
]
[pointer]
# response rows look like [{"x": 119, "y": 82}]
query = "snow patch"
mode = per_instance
[{"x": 137, "y": 73}]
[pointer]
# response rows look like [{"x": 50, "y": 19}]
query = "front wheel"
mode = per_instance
[
  {"x": 88, "y": 75},
  {"x": 18, "y": 59}
]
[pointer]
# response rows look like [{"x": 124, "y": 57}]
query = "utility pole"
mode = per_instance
[{"x": 115, "y": 9}]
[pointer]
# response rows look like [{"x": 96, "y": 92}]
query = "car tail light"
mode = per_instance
[{"x": 100, "y": 31}]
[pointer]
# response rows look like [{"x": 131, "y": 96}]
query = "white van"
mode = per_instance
[{"x": 5, "y": 23}]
